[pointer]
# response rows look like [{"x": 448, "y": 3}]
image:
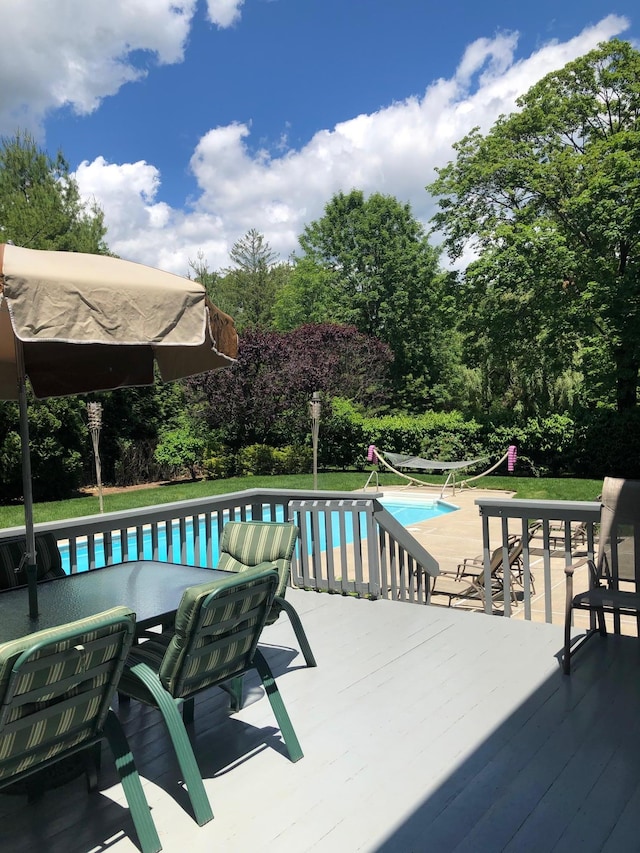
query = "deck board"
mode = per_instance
[{"x": 422, "y": 728}]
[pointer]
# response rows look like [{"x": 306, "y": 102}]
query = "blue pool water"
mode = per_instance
[{"x": 407, "y": 512}]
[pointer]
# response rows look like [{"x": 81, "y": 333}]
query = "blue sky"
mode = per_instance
[{"x": 190, "y": 122}]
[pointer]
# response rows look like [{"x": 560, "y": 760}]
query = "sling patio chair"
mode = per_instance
[
  {"x": 214, "y": 640},
  {"x": 12, "y": 559},
  {"x": 614, "y": 577},
  {"x": 247, "y": 544},
  {"x": 468, "y": 580},
  {"x": 56, "y": 687}
]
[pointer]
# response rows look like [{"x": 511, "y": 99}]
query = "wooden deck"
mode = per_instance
[{"x": 424, "y": 728}]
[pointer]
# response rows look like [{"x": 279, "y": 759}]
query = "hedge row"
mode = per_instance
[
  {"x": 259, "y": 459},
  {"x": 590, "y": 444}
]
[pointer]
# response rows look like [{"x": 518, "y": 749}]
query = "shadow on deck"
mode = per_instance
[{"x": 424, "y": 728}]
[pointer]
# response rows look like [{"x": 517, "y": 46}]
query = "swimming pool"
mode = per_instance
[
  {"x": 414, "y": 510},
  {"x": 407, "y": 511}
]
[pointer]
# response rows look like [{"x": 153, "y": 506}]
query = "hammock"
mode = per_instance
[
  {"x": 400, "y": 461},
  {"x": 394, "y": 461}
]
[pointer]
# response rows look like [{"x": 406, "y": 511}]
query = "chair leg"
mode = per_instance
[
  {"x": 138, "y": 805},
  {"x": 235, "y": 688},
  {"x": 188, "y": 709},
  {"x": 286, "y": 728},
  {"x": 566, "y": 658},
  {"x": 602, "y": 627},
  {"x": 282, "y": 604},
  {"x": 568, "y": 607},
  {"x": 180, "y": 740},
  {"x": 92, "y": 761}
]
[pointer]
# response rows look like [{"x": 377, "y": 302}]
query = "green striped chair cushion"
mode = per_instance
[
  {"x": 246, "y": 544},
  {"x": 217, "y": 628},
  {"x": 48, "y": 560},
  {"x": 56, "y": 686}
]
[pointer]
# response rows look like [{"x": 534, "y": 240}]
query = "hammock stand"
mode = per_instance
[{"x": 430, "y": 465}]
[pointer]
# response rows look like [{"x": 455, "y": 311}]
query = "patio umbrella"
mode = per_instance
[{"x": 74, "y": 323}]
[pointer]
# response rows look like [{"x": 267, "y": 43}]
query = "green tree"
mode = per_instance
[
  {"x": 40, "y": 204},
  {"x": 248, "y": 289},
  {"x": 305, "y": 297},
  {"x": 550, "y": 201},
  {"x": 378, "y": 272}
]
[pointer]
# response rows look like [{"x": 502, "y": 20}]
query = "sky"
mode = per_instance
[{"x": 190, "y": 122}]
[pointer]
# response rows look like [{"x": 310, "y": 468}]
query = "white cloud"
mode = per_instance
[
  {"x": 393, "y": 151},
  {"x": 76, "y": 53},
  {"x": 224, "y": 13}
]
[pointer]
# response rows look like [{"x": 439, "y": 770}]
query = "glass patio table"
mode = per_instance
[{"x": 152, "y": 589}]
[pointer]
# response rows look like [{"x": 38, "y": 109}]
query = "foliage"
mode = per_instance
[
  {"x": 260, "y": 459},
  {"x": 305, "y": 297},
  {"x": 342, "y": 436},
  {"x": 248, "y": 289},
  {"x": 132, "y": 421},
  {"x": 548, "y": 445},
  {"x": 179, "y": 448},
  {"x": 59, "y": 442},
  {"x": 374, "y": 269},
  {"x": 264, "y": 397},
  {"x": 40, "y": 204},
  {"x": 608, "y": 443},
  {"x": 219, "y": 465},
  {"x": 550, "y": 199}
]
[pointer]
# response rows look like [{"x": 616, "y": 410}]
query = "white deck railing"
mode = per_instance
[
  {"x": 349, "y": 543},
  {"x": 519, "y": 517}
]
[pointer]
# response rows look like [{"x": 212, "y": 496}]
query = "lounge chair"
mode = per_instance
[
  {"x": 614, "y": 577},
  {"x": 558, "y": 530},
  {"x": 215, "y": 640},
  {"x": 56, "y": 686},
  {"x": 468, "y": 580},
  {"x": 247, "y": 544}
]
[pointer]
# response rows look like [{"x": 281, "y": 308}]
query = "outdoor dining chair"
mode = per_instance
[
  {"x": 12, "y": 559},
  {"x": 56, "y": 687},
  {"x": 247, "y": 544},
  {"x": 214, "y": 640},
  {"x": 614, "y": 577}
]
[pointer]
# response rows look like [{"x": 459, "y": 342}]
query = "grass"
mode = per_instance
[{"x": 524, "y": 487}]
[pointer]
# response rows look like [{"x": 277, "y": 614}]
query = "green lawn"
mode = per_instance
[{"x": 532, "y": 488}]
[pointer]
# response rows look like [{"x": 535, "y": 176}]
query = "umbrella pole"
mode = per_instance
[{"x": 27, "y": 489}]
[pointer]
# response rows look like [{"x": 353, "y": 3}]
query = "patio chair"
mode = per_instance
[
  {"x": 55, "y": 689},
  {"x": 215, "y": 640},
  {"x": 246, "y": 544},
  {"x": 615, "y": 575},
  {"x": 12, "y": 558},
  {"x": 468, "y": 580}
]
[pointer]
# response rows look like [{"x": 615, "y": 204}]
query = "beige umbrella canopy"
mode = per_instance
[
  {"x": 94, "y": 323},
  {"x": 73, "y": 323}
]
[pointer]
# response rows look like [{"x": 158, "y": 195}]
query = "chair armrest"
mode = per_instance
[
  {"x": 470, "y": 568},
  {"x": 569, "y": 570}
]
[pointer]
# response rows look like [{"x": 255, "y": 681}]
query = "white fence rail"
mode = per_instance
[{"x": 348, "y": 544}]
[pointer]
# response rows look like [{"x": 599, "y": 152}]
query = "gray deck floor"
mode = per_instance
[{"x": 424, "y": 728}]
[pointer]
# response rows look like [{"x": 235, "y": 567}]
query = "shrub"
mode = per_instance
[
  {"x": 255, "y": 459},
  {"x": 179, "y": 448},
  {"x": 219, "y": 466},
  {"x": 292, "y": 459}
]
